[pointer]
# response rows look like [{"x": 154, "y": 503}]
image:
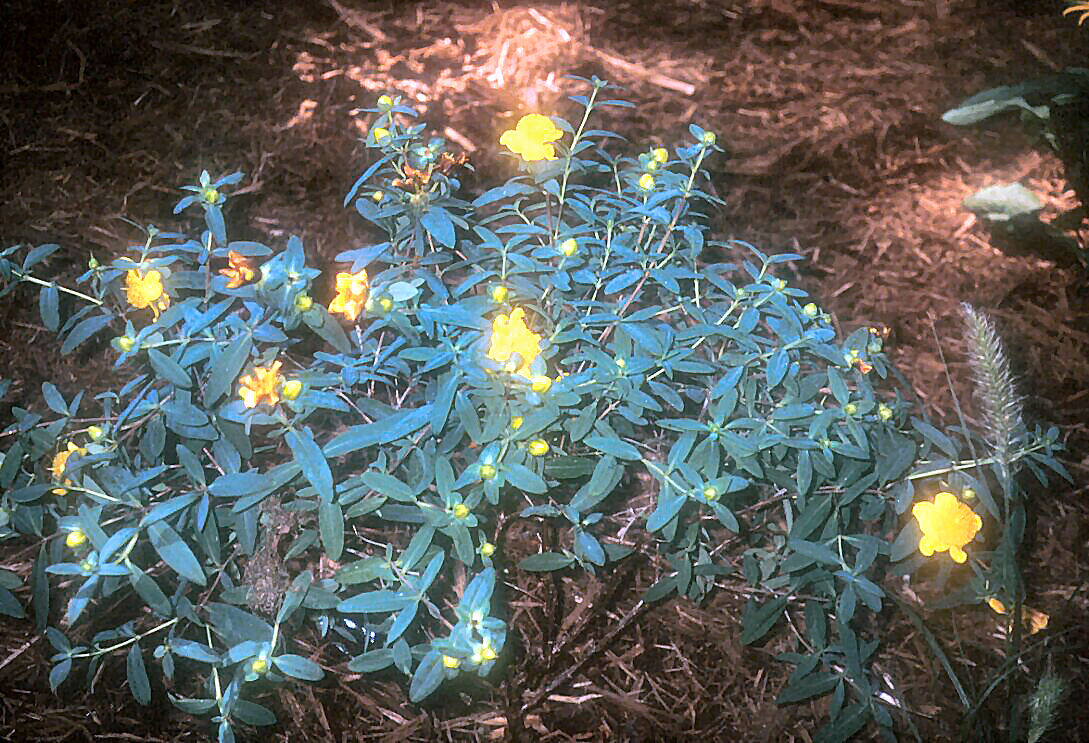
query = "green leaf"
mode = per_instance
[
  {"x": 373, "y": 660},
  {"x": 524, "y": 478},
  {"x": 331, "y": 526},
  {"x": 614, "y": 446},
  {"x": 813, "y": 517},
  {"x": 545, "y": 562},
  {"x": 935, "y": 436},
  {"x": 224, "y": 370},
  {"x": 318, "y": 319},
  {"x": 54, "y": 399},
  {"x": 758, "y": 620},
  {"x": 814, "y": 685},
  {"x": 169, "y": 369},
  {"x": 428, "y": 676},
  {"x": 311, "y": 461},
  {"x": 438, "y": 224},
  {"x": 298, "y": 667},
  {"x": 175, "y": 552},
  {"x": 400, "y": 424},
  {"x": 778, "y": 365},
  {"x": 388, "y": 485},
  {"x": 374, "y": 602},
  {"x": 846, "y": 723},
  {"x": 137, "y": 675},
  {"x": 49, "y": 306},
  {"x": 815, "y": 551},
  {"x": 251, "y": 713},
  {"x": 669, "y": 505},
  {"x": 9, "y": 605},
  {"x": 82, "y": 331},
  {"x": 149, "y": 591}
]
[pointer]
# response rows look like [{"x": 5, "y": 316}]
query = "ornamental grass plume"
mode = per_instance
[
  {"x": 947, "y": 524},
  {"x": 1000, "y": 405},
  {"x": 532, "y": 137}
]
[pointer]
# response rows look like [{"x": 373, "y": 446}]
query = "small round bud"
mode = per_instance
[
  {"x": 377, "y": 196},
  {"x": 386, "y": 304},
  {"x": 381, "y": 134},
  {"x": 516, "y": 422},
  {"x": 710, "y": 493},
  {"x": 541, "y": 384},
  {"x": 87, "y": 566},
  {"x": 778, "y": 284},
  {"x": 661, "y": 155},
  {"x": 292, "y": 389},
  {"x": 304, "y": 302},
  {"x": 569, "y": 247},
  {"x": 210, "y": 195},
  {"x": 884, "y": 412},
  {"x": 259, "y": 666},
  {"x": 487, "y": 549},
  {"x": 646, "y": 182},
  {"x": 92, "y": 263},
  {"x": 850, "y": 408},
  {"x": 487, "y": 471},
  {"x": 968, "y": 494},
  {"x": 96, "y": 432},
  {"x": 621, "y": 362},
  {"x": 449, "y": 661},
  {"x": 126, "y": 343},
  {"x": 709, "y": 138},
  {"x": 499, "y": 293},
  {"x": 652, "y": 166},
  {"x": 811, "y": 310},
  {"x": 538, "y": 447},
  {"x": 75, "y": 538},
  {"x": 385, "y": 102},
  {"x": 487, "y": 653},
  {"x": 461, "y": 511}
]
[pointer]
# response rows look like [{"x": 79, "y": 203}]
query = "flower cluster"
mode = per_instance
[
  {"x": 351, "y": 295},
  {"x": 511, "y": 336}
]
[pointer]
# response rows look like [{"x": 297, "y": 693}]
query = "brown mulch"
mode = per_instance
[{"x": 830, "y": 111}]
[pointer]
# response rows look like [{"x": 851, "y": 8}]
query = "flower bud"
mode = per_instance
[
  {"x": 850, "y": 408},
  {"x": 461, "y": 511},
  {"x": 487, "y": 471},
  {"x": 661, "y": 156},
  {"x": 386, "y": 304},
  {"x": 646, "y": 182},
  {"x": 884, "y": 412},
  {"x": 487, "y": 653},
  {"x": 516, "y": 422},
  {"x": 92, "y": 263},
  {"x": 210, "y": 195},
  {"x": 741, "y": 293},
  {"x": 569, "y": 247},
  {"x": 449, "y": 661},
  {"x": 381, "y": 134},
  {"x": 621, "y": 362},
  {"x": 96, "y": 432},
  {"x": 541, "y": 384},
  {"x": 538, "y": 447},
  {"x": 292, "y": 389},
  {"x": 811, "y": 310},
  {"x": 778, "y": 284},
  {"x": 75, "y": 538},
  {"x": 710, "y": 493},
  {"x": 385, "y": 102},
  {"x": 126, "y": 343},
  {"x": 304, "y": 302},
  {"x": 487, "y": 549},
  {"x": 499, "y": 293},
  {"x": 377, "y": 196},
  {"x": 968, "y": 494},
  {"x": 259, "y": 666},
  {"x": 709, "y": 138}
]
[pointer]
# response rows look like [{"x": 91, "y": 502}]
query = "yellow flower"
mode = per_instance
[
  {"x": 646, "y": 182},
  {"x": 60, "y": 461},
  {"x": 351, "y": 294},
  {"x": 146, "y": 290},
  {"x": 531, "y": 138},
  {"x": 1033, "y": 620},
  {"x": 499, "y": 293},
  {"x": 947, "y": 524},
  {"x": 511, "y": 336},
  {"x": 238, "y": 270},
  {"x": 449, "y": 661},
  {"x": 262, "y": 383},
  {"x": 304, "y": 302},
  {"x": 75, "y": 538},
  {"x": 516, "y": 422}
]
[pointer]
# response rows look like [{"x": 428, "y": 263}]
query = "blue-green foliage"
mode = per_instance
[{"x": 664, "y": 352}]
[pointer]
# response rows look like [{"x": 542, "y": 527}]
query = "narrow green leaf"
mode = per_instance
[
  {"x": 49, "y": 306},
  {"x": 428, "y": 676},
  {"x": 226, "y": 367},
  {"x": 616, "y": 447},
  {"x": 83, "y": 330},
  {"x": 331, "y": 526},
  {"x": 137, "y": 675},
  {"x": 400, "y": 424},
  {"x": 758, "y": 620},
  {"x": 169, "y": 369},
  {"x": 311, "y": 461},
  {"x": 175, "y": 552},
  {"x": 298, "y": 667}
]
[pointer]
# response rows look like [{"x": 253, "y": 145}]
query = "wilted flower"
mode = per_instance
[
  {"x": 262, "y": 383},
  {"x": 238, "y": 270},
  {"x": 351, "y": 294},
  {"x": 947, "y": 524},
  {"x": 511, "y": 336},
  {"x": 1033, "y": 620},
  {"x": 531, "y": 138},
  {"x": 146, "y": 290},
  {"x": 60, "y": 461}
]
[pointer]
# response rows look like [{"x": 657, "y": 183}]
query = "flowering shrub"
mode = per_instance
[{"x": 513, "y": 357}]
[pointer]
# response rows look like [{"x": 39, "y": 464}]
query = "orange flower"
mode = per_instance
[
  {"x": 239, "y": 270},
  {"x": 262, "y": 383},
  {"x": 351, "y": 294},
  {"x": 1033, "y": 620},
  {"x": 146, "y": 290},
  {"x": 60, "y": 462}
]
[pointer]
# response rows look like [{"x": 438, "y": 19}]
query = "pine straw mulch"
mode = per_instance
[{"x": 830, "y": 110}]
